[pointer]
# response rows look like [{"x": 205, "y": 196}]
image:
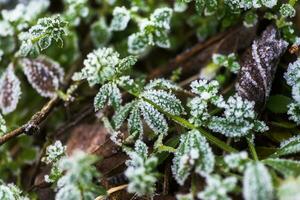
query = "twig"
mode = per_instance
[
  {"x": 32, "y": 126},
  {"x": 112, "y": 190}
]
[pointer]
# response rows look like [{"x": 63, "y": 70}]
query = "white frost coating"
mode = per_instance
[
  {"x": 154, "y": 118},
  {"x": 44, "y": 75},
  {"x": 10, "y": 91},
  {"x": 262, "y": 71},
  {"x": 257, "y": 183},
  {"x": 121, "y": 17}
]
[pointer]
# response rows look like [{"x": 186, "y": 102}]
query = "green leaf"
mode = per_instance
[
  {"x": 193, "y": 153},
  {"x": 135, "y": 125},
  {"x": 257, "y": 182},
  {"x": 153, "y": 118},
  {"x": 120, "y": 116},
  {"x": 284, "y": 166},
  {"x": 290, "y": 146},
  {"x": 45, "y": 42},
  {"x": 115, "y": 97},
  {"x": 166, "y": 101},
  {"x": 278, "y": 103},
  {"x": 102, "y": 97},
  {"x": 161, "y": 39}
]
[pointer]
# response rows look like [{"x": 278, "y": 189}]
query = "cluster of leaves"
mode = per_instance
[
  {"x": 30, "y": 31},
  {"x": 72, "y": 175}
]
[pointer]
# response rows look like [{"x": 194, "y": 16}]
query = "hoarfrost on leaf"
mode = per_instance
[
  {"x": 121, "y": 17},
  {"x": 193, "y": 152}
]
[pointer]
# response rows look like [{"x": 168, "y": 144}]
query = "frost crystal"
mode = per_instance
[
  {"x": 193, "y": 152},
  {"x": 141, "y": 171},
  {"x": 44, "y": 74},
  {"x": 121, "y": 17},
  {"x": 257, "y": 183},
  {"x": 238, "y": 120},
  {"x": 217, "y": 188},
  {"x": 10, "y": 90}
]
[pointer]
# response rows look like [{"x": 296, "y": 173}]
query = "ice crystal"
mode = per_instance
[
  {"x": 193, "y": 152},
  {"x": 257, "y": 182},
  {"x": 121, "y": 17},
  {"x": 217, "y": 188},
  {"x": 10, "y": 91},
  {"x": 141, "y": 171}
]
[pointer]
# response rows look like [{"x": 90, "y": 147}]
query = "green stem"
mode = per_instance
[
  {"x": 216, "y": 141},
  {"x": 252, "y": 149}
]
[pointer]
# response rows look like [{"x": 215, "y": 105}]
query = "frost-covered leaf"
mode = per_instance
[
  {"x": 294, "y": 112},
  {"x": 285, "y": 167},
  {"x": 76, "y": 9},
  {"x": 289, "y": 146},
  {"x": 287, "y": 10},
  {"x": 162, "y": 17},
  {"x": 135, "y": 124},
  {"x": 10, "y": 90},
  {"x": 47, "y": 30},
  {"x": 121, "y": 115},
  {"x": 161, "y": 39},
  {"x": 163, "y": 84},
  {"x": 238, "y": 120},
  {"x": 44, "y": 74},
  {"x": 193, "y": 152},
  {"x": 137, "y": 43},
  {"x": 257, "y": 183},
  {"x": 217, "y": 188},
  {"x": 121, "y": 17},
  {"x": 153, "y": 118},
  {"x": 168, "y": 102},
  {"x": 228, "y": 61},
  {"x": 108, "y": 92},
  {"x": 104, "y": 65},
  {"x": 141, "y": 171}
]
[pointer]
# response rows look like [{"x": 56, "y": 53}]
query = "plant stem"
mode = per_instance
[
  {"x": 252, "y": 149},
  {"x": 219, "y": 143}
]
